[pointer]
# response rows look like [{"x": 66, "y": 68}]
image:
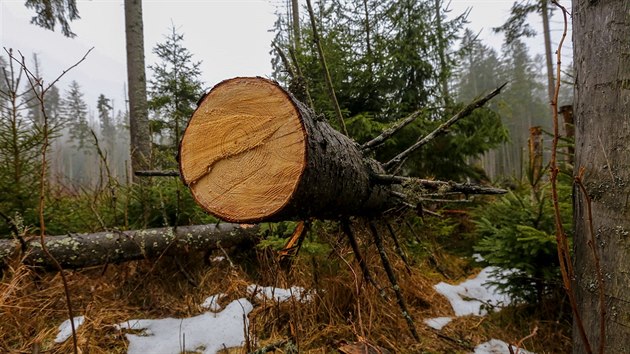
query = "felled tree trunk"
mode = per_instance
[
  {"x": 251, "y": 152},
  {"x": 85, "y": 250}
]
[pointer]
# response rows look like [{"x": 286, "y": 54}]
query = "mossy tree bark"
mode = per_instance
[
  {"x": 601, "y": 32},
  {"x": 86, "y": 250}
]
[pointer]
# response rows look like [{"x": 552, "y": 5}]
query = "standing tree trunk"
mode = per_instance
[
  {"x": 136, "y": 77},
  {"x": 601, "y": 33},
  {"x": 551, "y": 86}
]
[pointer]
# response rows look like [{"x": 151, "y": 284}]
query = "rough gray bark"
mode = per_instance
[
  {"x": 338, "y": 179},
  {"x": 601, "y": 33},
  {"x": 136, "y": 78},
  {"x": 86, "y": 250}
]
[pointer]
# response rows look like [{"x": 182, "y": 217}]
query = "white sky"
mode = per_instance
[{"x": 230, "y": 37}]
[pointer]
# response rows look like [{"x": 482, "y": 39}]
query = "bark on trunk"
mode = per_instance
[
  {"x": 136, "y": 79},
  {"x": 86, "y": 250},
  {"x": 601, "y": 32},
  {"x": 252, "y": 152}
]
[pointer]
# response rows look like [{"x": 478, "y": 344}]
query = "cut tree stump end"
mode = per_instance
[{"x": 244, "y": 150}]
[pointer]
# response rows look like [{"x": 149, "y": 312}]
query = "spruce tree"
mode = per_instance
[
  {"x": 173, "y": 91},
  {"x": 75, "y": 111},
  {"x": 108, "y": 128}
]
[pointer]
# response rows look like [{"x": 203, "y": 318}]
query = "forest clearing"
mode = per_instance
[{"x": 392, "y": 183}]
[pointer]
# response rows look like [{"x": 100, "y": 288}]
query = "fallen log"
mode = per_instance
[
  {"x": 251, "y": 152},
  {"x": 85, "y": 250}
]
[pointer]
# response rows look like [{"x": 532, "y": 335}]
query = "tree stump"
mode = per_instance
[{"x": 252, "y": 152}]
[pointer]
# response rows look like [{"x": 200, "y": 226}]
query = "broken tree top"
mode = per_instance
[{"x": 251, "y": 152}]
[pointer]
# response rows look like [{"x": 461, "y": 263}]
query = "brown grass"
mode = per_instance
[{"x": 343, "y": 309}]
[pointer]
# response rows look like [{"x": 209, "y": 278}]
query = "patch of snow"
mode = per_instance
[
  {"x": 206, "y": 333},
  {"x": 212, "y": 302},
  {"x": 469, "y": 297},
  {"x": 278, "y": 294},
  {"x": 495, "y": 346},
  {"x": 438, "y": 322},
  {"x": 478, "y": 258},
  {"x": 65, "y": 329}
]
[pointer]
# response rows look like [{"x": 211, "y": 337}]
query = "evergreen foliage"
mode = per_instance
[
  {"x": 387, "y": 61},
  {"x": 75, "y": 112},
  {"x": 51, "y": 12},
  {"x": 517, "y": 232},
  {"x": 173, "y": 94},
  {"x": 105, "y": 116},
  {"x": 20, "y": 148}
]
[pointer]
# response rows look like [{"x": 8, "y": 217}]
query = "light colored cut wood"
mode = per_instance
[{"x": 244, "y": 150}]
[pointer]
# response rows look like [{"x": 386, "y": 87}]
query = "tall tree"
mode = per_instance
[
  {"x": 51, "y": 12},
  {"x": 517, "y": 26},
  {"x": 136, "y": 77},
  {"x": 105, "y": 117},
  {"x": 75, "y": 112},
  {"x": 174, "y": 90},
  {"x": 20, "y": 146},
  {"x": 601, "y": 42}
]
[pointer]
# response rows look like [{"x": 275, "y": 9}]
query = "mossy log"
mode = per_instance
[
  {"x": 251, "y": 152},
  {"x": 84, "y": 250}
]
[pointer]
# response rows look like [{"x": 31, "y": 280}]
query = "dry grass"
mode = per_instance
[{"x": 343, "y": 308}]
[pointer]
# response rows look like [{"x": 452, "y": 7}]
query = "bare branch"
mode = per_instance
[
  {"x": 444, "y": 187},
  {"x": 372, "y": 144},
  {"x": 156, "y": 173}
]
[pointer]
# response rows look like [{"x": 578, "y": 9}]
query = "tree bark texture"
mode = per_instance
[
  {"x": 601, "y": 32},
  {"x": 86, "y": 250},
  {"x": 136, "y": 79},
  {"x": 251, "y": 152}
]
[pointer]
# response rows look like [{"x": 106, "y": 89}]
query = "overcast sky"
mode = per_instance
[{"x": 230, "y": 37}]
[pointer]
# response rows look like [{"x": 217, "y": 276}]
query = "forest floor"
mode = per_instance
[{"x": 342, "y": 308}]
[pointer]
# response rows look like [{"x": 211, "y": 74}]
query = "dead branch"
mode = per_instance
[
  {"x": 399, "y": 160},
  {"x": 156, "y": 173},
  {"x": 374, "y": 143},
  {"x": 442, "y": 186}
]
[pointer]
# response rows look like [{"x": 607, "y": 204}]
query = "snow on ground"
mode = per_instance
[
  {"x": 206, "y": 333},
  {"x": 65, "y": 329},
  {"x": 474, "y": 296},
  {"x": 438, "y": 322},
  {"x": 495, "y": 346},
  {"x": 211, "y": 303},
  {"x": 278, "y": 294}
]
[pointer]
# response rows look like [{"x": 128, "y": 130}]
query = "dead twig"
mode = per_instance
[
  {"x": 392, "y": 279},
  {"x": 35, "y": 84},
  {"x": 520, "y": 342},
  {"x": 442, "y": 186}
]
